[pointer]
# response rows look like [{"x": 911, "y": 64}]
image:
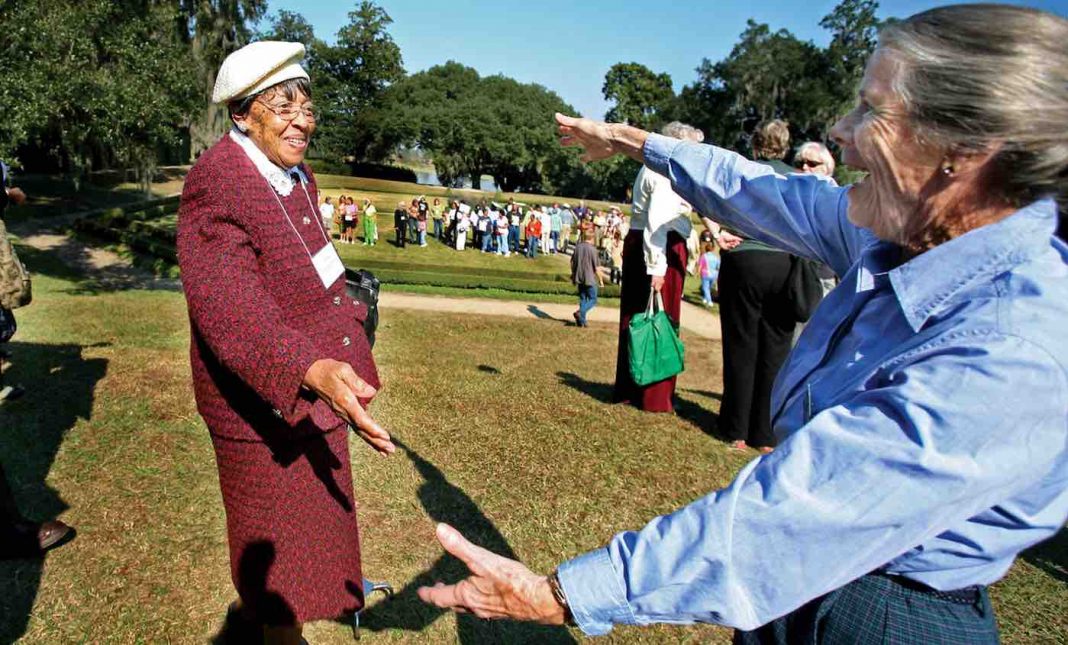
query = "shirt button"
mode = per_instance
[
  {"x": 346, "y": 341},
  {"x": 337, "y": 301}
]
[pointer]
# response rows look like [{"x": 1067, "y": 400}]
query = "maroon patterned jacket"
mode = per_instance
[{"x": 258, "y": 312}]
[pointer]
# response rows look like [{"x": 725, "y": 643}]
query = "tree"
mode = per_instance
[
  {"x": 350, "y": 78},
  {"x": 115, "y": 92},
  {"x": 640, "y": 95},
  {"x": 854, "y": 30},
  {"x": 212, "y": 30}
]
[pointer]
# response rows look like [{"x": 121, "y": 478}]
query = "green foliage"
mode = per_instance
[
  {"x": 640, "y": 95},
  {"x": 470, "y": 126},
  {"x": 772, "y": 74},
  {"x": 95, "y": 83}
]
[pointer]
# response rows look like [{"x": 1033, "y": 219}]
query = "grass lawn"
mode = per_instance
[{"x": 506, "y": 431}]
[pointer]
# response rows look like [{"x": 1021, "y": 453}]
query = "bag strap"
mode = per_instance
[
  {"x": 649, "y": 308},
  {"x": 659, "y": 301}
]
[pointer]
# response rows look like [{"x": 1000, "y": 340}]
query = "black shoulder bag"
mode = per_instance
[{"x": 362, "y": 285}]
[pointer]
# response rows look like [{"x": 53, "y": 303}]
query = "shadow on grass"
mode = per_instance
[
  {"x": 70, "y": 261},
  {"x": 489, "y": 369},
  {"x": 600, "y": 391},
  {"x": 445, "y": 502},
  {"x": 701, "y": 417},
  {"x": 59, "y": 386},
  {"x": 1051, "y": 556}
]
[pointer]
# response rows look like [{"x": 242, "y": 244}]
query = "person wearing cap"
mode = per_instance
[{"x": 281, "y": 365}]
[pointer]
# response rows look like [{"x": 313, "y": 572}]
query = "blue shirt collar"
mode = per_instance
[{"x": 924, "y": 284}]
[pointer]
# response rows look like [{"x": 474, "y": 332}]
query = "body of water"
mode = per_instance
[{"x": 430, "y": 178}]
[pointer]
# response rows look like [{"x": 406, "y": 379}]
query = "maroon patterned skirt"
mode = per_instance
[{"x": 291, "y": 524}]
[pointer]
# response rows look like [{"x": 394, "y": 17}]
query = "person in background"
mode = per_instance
[
  {"x": 815, "y": 159},
  {"x": 533, "y": 233},
  {"x": 501, "y": 226},
  {"x": 352, "y": 218},
  {"x": 921, "y": 417},
  {"x": 654, "y": 259},
  {"x": 556, "y": 223},
  {"x": 567, "y": 222},
  {"x": 546, "y": 230},
  {"x": 708, "y": 269},
  {"x": 400, "y": 223},
  {"x": 486, "y": 227},
  {"x": 326, "y": 211},
  {"x": 451, "y": 219},
  {"x": 422, "y": 219},
  {"x": 586, "y": 275},
  {"x": 413, "y": 221},
  {"x": 437, "y": 213},
  {"x": 754, "y": 309},
  {"x": 615, "y": 254},
  {"x": 19, "y": 537},
  {"x": 463, "y": 223},
  {"x": 514, "y": 219},
  {"x": 370, "y": 222}
]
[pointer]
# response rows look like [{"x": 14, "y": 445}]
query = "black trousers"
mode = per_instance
[
  {"x": 757, "y": 331},
  {"x": 402, "y": 234}
]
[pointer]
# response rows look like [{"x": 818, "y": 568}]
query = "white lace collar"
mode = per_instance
[{"x": 279, "y": 178}]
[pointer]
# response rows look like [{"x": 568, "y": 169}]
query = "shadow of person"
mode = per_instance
[
  {"x": 539, "y": 313},
  {"x": 445, "y": 502},
  {"x": 59, "y": 386},
  {"x": 599, "y": 391},
  {"x": 253, "y": 567},
  {"x": 1051, "y": 556}
]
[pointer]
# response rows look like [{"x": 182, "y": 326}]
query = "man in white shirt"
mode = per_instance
[{"x": 326, "y": 211}]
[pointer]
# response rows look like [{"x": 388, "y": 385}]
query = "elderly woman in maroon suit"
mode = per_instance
[{"x": 281, "y": 366}]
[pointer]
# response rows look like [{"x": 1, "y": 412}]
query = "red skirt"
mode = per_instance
[
  {"x": 656, "y": 397},
  {"x": 291, "y": 524}
]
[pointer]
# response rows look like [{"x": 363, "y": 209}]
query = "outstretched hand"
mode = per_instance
[
  {"x": 600, "y": 140},
  {"x": 497, "y": 588},
  {"x": 337, "y": 383}
]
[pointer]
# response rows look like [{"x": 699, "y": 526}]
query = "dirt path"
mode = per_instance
[
  {"x": 694, "y": 319},
  {"x": 109, "y": 271}
]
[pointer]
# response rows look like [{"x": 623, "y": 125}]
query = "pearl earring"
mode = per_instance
[{"x": 947, "y": 170}]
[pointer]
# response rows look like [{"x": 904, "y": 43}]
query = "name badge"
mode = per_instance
[{"x": 328, "y": 265}]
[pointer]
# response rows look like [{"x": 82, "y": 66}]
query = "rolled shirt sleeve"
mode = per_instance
[
  {"x": 663, "y": 208},
  {"x": 799, "y": 213},
  {"x": 863, "y": 481}
]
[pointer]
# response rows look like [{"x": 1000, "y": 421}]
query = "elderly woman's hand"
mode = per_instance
[
  {"x": 337, "y": 384},
  {"x": 601, "y": 140},
  {"x": 497, "y": 588}
]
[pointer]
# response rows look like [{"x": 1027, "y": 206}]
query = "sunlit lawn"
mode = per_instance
[{"x": 507, "y": 434}]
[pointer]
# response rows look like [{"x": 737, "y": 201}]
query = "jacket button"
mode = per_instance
[
  {"x": 346, "y": 341},
  {"x": 277, "y": 413},
  {"x": 337, "y": 301}
]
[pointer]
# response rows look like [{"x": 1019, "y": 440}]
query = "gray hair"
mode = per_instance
[
  {"x": 819, "y": 152},
  {"x": 990, "y": 77},
  {"x": 680, "y": 130},
  {"x": 771, "y": 139}
]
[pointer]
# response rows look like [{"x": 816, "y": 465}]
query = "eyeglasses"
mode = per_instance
[
  {"x": 808, "y": 163},
  {"x": 290, "y": 111}
]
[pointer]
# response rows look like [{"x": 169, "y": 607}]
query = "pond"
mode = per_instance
[{"x": 430, "y": 178}]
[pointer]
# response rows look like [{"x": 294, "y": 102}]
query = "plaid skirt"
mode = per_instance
[{"x": 882, "y": 609}]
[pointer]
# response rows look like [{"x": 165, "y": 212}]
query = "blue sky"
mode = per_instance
[{"x": 568, "y": 46}]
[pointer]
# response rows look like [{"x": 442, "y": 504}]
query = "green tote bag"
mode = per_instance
[{"x": 656, "y": 353}]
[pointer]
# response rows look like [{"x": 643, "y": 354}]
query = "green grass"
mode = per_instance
[{"x": 507, "y": 432}]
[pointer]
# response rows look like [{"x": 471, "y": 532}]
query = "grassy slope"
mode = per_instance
[{"x": 510, "y": 438}]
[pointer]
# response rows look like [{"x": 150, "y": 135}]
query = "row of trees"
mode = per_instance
[{"x": 92, "y": 84}]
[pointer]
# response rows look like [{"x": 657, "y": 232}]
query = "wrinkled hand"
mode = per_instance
[
  {"x": 594, "y": 136},
  {"x": 337, "y": 384},
  {"x": 497, "y": 588},
  {"x": 657, "y": 282},
  {"x": 728, "y": 241},
  {"x": 16, "y": 196}
]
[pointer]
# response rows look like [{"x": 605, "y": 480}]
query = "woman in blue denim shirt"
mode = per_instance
[{"x": 922, "y": 416}]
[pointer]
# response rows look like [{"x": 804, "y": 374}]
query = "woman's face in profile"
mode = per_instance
[{"x": 877, "y": 136}]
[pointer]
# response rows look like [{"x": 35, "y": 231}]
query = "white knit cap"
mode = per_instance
[{"x": 257, "y": 66}]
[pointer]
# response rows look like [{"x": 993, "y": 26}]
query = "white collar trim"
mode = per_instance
[{"x": 279, "y": 178}]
